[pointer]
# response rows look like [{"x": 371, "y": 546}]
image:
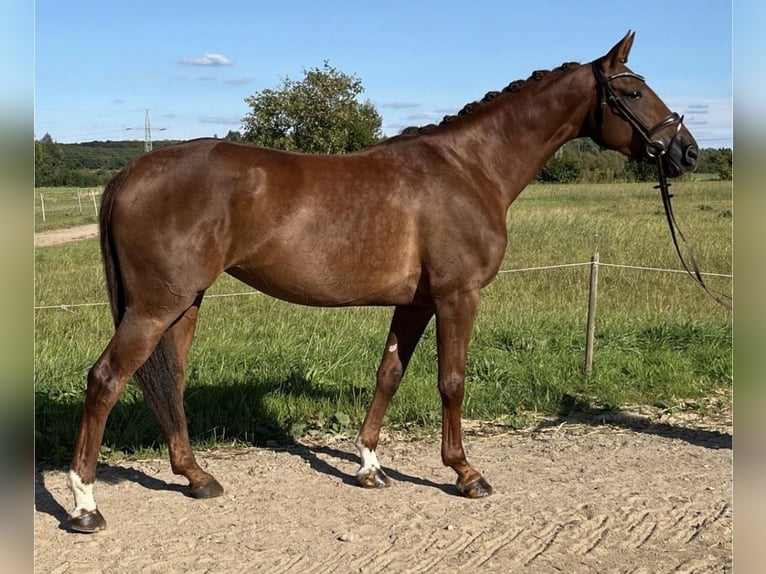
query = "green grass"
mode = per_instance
[
  {"x": 263, "y": 370},
  {"x": 63, "y": 208}
]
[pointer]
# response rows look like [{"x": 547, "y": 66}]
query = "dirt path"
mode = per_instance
[
  {"x": 640, "y": 494},
  {"x": 57, "y": 236}
]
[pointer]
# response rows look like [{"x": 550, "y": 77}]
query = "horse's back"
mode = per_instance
[{"x": 306, "y": 228}]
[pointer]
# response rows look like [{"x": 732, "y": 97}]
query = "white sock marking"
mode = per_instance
[
  {"x": 83, "y": 494},
  {"x": 369, "y": 458},
  {"x": 393, "y": 348}
]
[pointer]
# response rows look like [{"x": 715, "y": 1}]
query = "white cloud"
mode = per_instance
[
  {"x": 399, "y": 105},
  {"x": 424, "y": 117},
  {"x": 709, "y": 120},
  {"x": 241, "y": 81},
  {"x": 207, "y": 60},
  {"x": 221, "y": 120}
]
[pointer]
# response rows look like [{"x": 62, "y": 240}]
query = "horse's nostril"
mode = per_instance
[{"x": 690, "y": 155}]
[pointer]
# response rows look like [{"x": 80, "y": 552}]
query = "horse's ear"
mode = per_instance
[{"x": 619, "y": 53}]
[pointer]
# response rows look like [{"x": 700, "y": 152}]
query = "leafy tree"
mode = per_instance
[
  {"x": 716, "y": 162},
  {"x": 723, "y": 164},
  {"x": 581, "y": 160},
  {"x": 599, "y": 165},
  {"x": 639, "y": 170},
  {"x": 84, "y": 164},
  {"x": 49, "y": 162},
  {"x": 568, "y": 163},
  {"x": 319, "y": 114},
  {"x": 561, "y": 168}
]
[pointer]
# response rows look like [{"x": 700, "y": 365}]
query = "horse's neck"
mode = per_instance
[{"x": 513, "y": 143}]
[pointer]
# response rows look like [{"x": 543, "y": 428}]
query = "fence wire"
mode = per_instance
[{"x": 71, "y": 306}]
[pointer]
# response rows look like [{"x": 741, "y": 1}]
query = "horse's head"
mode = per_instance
[{"x": 630, "y": 118}]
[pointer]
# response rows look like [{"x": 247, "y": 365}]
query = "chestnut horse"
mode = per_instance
[{"x": 417, "y": 222}]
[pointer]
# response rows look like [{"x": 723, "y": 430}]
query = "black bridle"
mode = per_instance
[
  {"x": 654, "y": 147},
  {"x": 655, "y": 150}
]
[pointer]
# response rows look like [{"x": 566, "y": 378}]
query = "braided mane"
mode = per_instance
[{"x": 471, "y": 107}]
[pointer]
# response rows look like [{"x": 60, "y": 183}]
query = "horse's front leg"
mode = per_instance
[
  {"x": 407, "y": 326},
  {"x": 455, "y": 316}
]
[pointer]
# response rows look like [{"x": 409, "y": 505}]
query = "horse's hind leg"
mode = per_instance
[
  {"x": 162, "y": 380},
  {"x": 133, "y": 341},
  {"x": 407, "y": 327}
]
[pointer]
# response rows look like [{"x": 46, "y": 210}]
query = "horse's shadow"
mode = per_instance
[
  {"x": 314, "y": 456},
  {"x": 573, "y": 411},
  {"x": 208, "y": 408},
  {"x": 310, "y": 454},
  {"x": 46, "y": 503}
]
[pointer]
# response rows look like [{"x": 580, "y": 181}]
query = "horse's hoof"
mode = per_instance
[
  {"x": 208, "y": 490},
  {"x": 478, "y": 488},
  {"x": 374, "y": 478},
  {"x": 88, "y": 522}
]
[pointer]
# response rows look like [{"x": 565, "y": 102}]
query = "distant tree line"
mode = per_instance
[
  {"x": 322, "y": 114},
  {"x": 91, "y": 164},
  {"x": 582, "y": 161},
  {"x": 85, "y": 164}
]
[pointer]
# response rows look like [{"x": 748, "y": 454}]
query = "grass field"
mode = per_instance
[
  {"x": 263, "y": 370},
  {"x": 57, "y": 207}
]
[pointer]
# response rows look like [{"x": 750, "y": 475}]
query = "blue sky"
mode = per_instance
[{"x": 99, "y": 65}]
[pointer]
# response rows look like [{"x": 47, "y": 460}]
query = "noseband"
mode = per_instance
[{"x": 654, "y": 147}]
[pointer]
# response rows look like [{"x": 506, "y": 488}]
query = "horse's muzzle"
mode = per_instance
[
  {"x": 690, "y": 156},
  {"x": 681, "y": 157}
]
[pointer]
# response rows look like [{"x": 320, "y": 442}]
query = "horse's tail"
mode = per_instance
[
  {"x": 114, "y": 286},
  {"x": 160, "y": 369}
]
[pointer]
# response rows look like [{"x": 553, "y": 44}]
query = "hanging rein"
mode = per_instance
[{"x": 655, "y": 150}]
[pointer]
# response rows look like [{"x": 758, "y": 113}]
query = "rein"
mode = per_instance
[
  {"x": 655, "y": 149},
  {"x": 675, "y": 233}
]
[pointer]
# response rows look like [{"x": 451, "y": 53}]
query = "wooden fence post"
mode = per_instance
[
  {"x": 592, "y": 292},
  {"x": 93, "y": 197},
  {"x": 42, "y": 203},
  {"x": 79, "y": 201}
]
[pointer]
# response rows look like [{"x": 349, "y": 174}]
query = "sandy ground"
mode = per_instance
[
  {"x": 641, "y": 493},
  {"x": 57, "y": 236}
]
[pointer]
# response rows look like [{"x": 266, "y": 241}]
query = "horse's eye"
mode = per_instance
[{"x": 634, "y": 95}]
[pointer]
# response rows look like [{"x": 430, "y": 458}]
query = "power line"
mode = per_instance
[
  {"x": 147, "y": 134},
  {"x": 114, "y": 131}
]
